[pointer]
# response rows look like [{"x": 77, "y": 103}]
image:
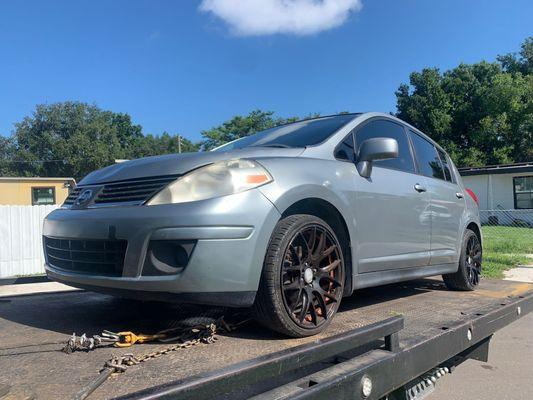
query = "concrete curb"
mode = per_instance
[
  {"x": 523, "y": 273},
  {"x": 17, "y": 280},
  {"x": 35, "y": 288}
]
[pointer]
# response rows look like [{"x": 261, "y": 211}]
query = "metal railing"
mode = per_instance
[{"x": 502, "y": 217}]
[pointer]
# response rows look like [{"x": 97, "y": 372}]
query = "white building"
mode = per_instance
[{"x": 505, "y": 190}]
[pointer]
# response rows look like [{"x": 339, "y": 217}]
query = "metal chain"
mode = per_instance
[
  {"x": 126, "y": 339},
  {"x": 189, "y": 337},
  {"x": 196, "y": 335}
]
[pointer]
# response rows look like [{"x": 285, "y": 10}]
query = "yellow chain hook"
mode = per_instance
[{"x": 127, "y": 339}]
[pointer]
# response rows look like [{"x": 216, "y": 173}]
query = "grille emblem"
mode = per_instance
[{"x": 84, "y": 197}]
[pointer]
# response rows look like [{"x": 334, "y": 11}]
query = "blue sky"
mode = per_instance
[{"x": 175, "y": 68}]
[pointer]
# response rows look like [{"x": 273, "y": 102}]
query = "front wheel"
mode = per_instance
[
  {"x": 303, "y": 277},
  {"x": 468, "y": 275}
]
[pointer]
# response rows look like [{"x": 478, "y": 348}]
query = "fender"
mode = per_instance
[{"x": 327, "y": 183}]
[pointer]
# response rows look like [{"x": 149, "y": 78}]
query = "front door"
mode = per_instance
[{"x": 393, "y": 219}]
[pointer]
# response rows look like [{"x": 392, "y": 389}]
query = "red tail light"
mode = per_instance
[{"x": 473, "y": 195}]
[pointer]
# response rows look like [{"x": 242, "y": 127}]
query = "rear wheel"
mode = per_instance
[
  {"x": 469, "y": 273},
  {"x": 303, "y": 277}
]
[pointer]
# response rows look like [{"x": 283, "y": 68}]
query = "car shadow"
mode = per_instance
[
  {"x": 91, "y": 313},
  {"x": 381, "y": 294},
  {"x": 359, "y": 299}
]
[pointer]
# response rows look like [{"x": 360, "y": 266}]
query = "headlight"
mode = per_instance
[{"x": 215, "y": 180}]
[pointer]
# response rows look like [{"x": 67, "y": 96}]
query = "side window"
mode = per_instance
[
  {"x": 523, "y": 192},
  {"x": 389, "y": 129},
  {"x": 344, "y": 151},
  {"x": 427, "y": 157},
  {"x": 447, "y": 170},
  {"x": 43, "y": 195}
]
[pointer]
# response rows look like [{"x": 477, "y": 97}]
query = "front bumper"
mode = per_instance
[{"x": 231, "y": 234}]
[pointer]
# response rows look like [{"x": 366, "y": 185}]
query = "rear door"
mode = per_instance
[
  {"x": 392, "y": 215},
  {"x": 447, "y": 200}
]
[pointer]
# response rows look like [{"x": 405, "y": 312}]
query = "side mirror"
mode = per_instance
[{"x": 375, "y": 149}]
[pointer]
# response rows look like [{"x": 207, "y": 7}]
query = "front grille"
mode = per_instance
[
  {"x": 71, "y": 198},
  {"x": 95, "y": 257},
  {"x": 132, "y": 190}
]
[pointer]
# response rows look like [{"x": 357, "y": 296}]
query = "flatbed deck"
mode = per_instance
[{"x": 31, "y": 325}]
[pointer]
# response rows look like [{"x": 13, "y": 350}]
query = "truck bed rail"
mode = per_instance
[{"x": 387, "y": 368}]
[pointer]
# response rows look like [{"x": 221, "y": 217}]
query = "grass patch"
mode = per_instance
[
  {"x": 505, "y": 247},
  {"x": 494, "y": 264},
  {"x": 508, "y": 239}
]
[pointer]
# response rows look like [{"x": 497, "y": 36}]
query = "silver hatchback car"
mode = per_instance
[{"x": 288, "y": 221}]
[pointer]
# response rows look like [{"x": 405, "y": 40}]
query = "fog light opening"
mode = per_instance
[{"x": 167, "y": 257}]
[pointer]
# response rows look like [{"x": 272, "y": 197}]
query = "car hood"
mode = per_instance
[{"x": 171, "y": 164}]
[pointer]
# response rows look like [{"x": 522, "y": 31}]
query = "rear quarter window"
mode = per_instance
[{"x": 448, "y": 174}]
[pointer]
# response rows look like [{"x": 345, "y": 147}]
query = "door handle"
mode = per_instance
[
  {"x": 419, "y": 188},
  {"x": 459, "y": 195}
]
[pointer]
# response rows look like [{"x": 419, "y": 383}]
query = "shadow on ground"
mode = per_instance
[{"x": 86, "y": 312}]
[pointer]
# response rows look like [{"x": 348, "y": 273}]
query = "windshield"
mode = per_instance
[{"x": 297, "y": 134}]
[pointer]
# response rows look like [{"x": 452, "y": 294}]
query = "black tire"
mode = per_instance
[
  {"x": 469, "y": 273},
  {"x": 193, "y": 316},
  {"x": 300, "y": 267}
]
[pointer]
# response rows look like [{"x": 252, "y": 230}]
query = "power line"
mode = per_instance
[{"x": 33, "y": 161}]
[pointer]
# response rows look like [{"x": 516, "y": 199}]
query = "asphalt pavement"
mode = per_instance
[{"x": 507, "y": 376}]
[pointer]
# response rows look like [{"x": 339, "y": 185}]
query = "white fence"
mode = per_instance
[{"x": 21, "y": 250}]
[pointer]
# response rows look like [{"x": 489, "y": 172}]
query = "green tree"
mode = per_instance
[
  {"x": 426, "y": 103},
  {"x": 521, "y": 62},
  {"x": 240, "y": 126},
  {"x": 481, "y": 113},
  {"x": 6, "y": 154},
  {"x": 73, "y": 139},
  {"x": 151, "y": 145},
  {"x": 70, "y": 139}
]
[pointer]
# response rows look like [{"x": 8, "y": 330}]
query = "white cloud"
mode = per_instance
[{"x": 265, "y": 17}]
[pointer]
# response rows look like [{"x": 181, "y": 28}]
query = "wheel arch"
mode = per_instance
[
  {"x": 326, "y": 211},
  {"x": 473, "y": 226}
]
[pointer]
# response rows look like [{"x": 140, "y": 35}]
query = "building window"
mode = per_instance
[
  {"x": 43, "y": 196},
  {"x": 523, "y": 192}
]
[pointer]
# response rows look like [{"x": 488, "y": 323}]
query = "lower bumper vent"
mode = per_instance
[{"x": 94, "y": 257}]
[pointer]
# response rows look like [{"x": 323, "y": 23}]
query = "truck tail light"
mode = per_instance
[{"x": 473, "y": 195}]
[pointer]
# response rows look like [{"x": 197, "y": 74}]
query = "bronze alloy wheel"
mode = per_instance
[
  {"x": 312, "y": 276},
  {"x": 473, "y": 260}
]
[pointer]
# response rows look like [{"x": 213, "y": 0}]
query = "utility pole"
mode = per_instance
[{"x": 179, "y": 144}]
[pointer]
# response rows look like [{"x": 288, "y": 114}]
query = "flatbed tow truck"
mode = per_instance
[{"x": 390, "y": 342}]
